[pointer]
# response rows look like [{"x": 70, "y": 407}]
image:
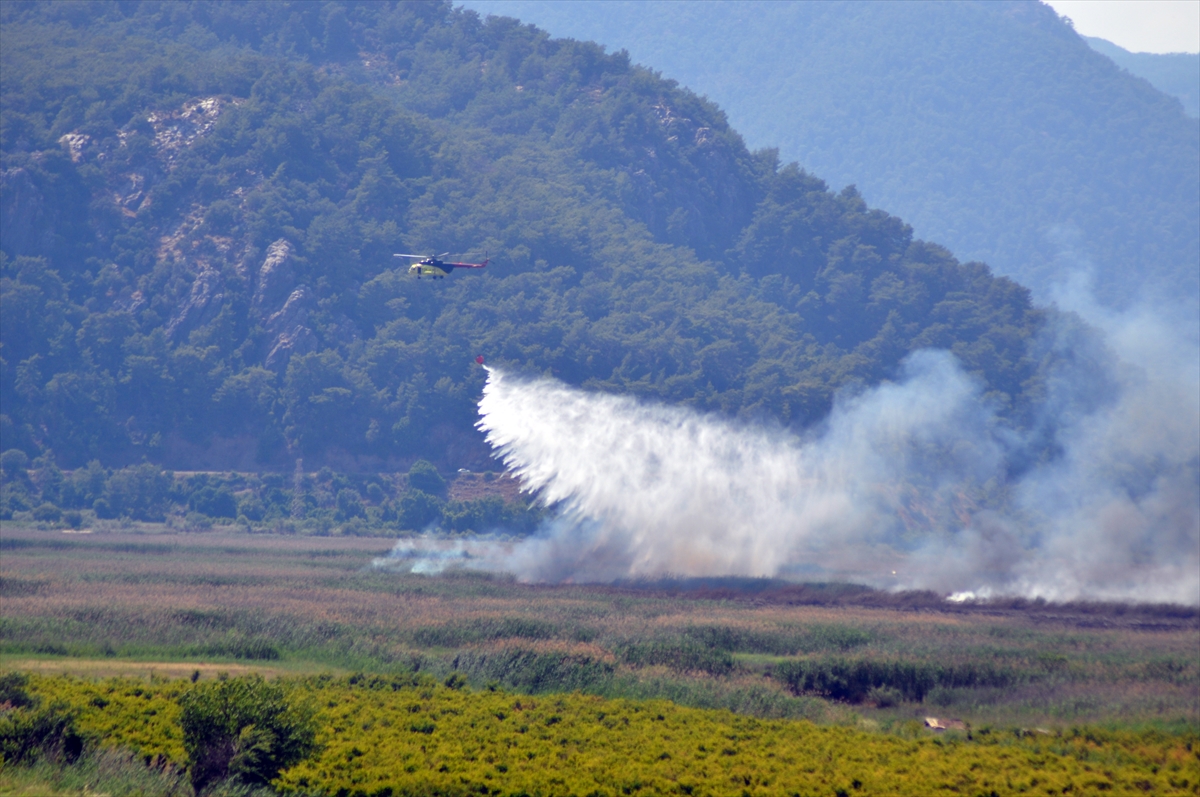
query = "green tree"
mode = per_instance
[
  {"x": 424, "y": 476},
  {"x": 349, "y": 504},
  {"x": 13, "y": 463},
  {"x": 243, "y": 729},
  {"x": 140, "y": 492},
  {"x": 213, "y": 501},
  {"x": 418, "y": 509}
]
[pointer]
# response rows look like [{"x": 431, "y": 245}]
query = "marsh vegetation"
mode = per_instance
[
  {"x": 723, "y": 658},
  {"x": 827, "y": 653}
]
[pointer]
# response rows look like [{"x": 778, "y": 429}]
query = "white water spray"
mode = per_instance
[
  {"x": 887, "y": 492},
  {"x": 647, "y": 490}
]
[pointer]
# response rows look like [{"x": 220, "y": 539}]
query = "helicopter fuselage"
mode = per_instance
[
  {"x": 436, "y": 268},
  {"x": 433, "y": 269}
]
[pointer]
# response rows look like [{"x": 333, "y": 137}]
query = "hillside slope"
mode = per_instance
[
  {"x": 1177, "y": 74},
  {"x": 991, "y": 127},
  {"x": 200, "y": 204}
]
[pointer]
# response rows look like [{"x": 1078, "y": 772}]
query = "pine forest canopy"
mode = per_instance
[
  {"x": 991, "y": 127},
  {"x": 201, "y": 200}
]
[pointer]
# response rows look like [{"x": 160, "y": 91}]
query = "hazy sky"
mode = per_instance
[{"x": 1141, "y": 26}]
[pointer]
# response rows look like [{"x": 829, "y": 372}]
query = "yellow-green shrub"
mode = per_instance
[
  {"x": 408, "y": 735},
  {"x": 402, "y": 737},
  {"x": 122, "y": 712}
]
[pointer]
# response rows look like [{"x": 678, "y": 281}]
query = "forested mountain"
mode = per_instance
[
  {"x": 200, "y": 203},
  {"x": 1177, "y": 74},
  {"x": 991, "y": 127}
]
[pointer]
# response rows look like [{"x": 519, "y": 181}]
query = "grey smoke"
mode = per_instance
[
  {"x": 428, "y": 554},
  {"x": 907, "y": 485},
  {"x": 1120, "y": 508}
]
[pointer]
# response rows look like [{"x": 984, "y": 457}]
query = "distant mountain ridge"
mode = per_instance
[
  {"x": 991, "y": 127},
  {"x": 1177, "y": 74}
]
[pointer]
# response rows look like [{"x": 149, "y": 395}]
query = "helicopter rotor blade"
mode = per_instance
[
  {"x": 420, "y": 257},
  {"x": 443, "y": 254}
]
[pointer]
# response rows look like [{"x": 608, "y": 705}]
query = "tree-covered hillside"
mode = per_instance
[
  {"x": 991, "y": 127},
  {"x": 1177, "y": 74},
  {"x": 200, "y": 203}
]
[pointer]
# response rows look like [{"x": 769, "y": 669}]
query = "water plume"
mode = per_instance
[
  {"x": 915, "y": 483},
  {"x": 645, "y": 490}
]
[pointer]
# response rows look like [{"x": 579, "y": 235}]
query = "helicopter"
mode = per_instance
[{"x": 434, "y": 267}]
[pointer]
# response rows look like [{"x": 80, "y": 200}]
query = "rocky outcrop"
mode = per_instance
[
  {"x": 175, "y": 131},
  {"x": 289, "y": 331},
  {"x": 275, "y": 277},
  {"x": 76, "y": 145},
  {"x": 293, "y": 313},
  {"x": 287, "y": 327},
  {"x": 202, "y": 305},
  {"x": 130, "y": 193},
  {"x": 132, "y": 303},
  {"x": 298, "y": 340}
]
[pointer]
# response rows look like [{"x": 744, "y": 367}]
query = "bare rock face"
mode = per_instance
[
  {"x": 275, "y": 277},
  {"x": 293, "y": 313},
  {"x": 202, "y": 306},
  {"x": 23, "y": 214},
  {"x": 299, "y": 340},
  {"x": 133, "y": 303},
  {"x": 175, "y": 131},
  {"x": 289, "y": 331},
  {"x": 76, "y": 144}
]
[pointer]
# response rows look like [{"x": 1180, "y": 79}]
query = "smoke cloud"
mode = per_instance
[
  {"x": 907, "y": 485},
  {"x": 647, "y": 490}
]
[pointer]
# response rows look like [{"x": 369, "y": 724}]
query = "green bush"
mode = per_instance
[
  {"x": 418, "y": 509},
  {"x": 780, "y": 643},
  {"x": 47, "y": 513},
  {"x": 243, "y": 730},
  {"x": 458, "y": 634},
  {"x": 424, "y": 476},
  {"x": 349, "y": 504},
  {"x": 216, "y": 502},
  {"x": 29, "y": 732},
  {"x": 13, "y": 462},
  {"x": 683, "y": 655},
  {"x": 490, "y": 513},
  {"x": 855, "y": 681},
  {"x": 535, "y": 672},
  {"x": 885, "y": 696},
  {"x": 12, "y": 690},
  {"x": 239, "y": 647}
]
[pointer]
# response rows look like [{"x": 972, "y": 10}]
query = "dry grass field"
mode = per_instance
[
  {"x": 152, "y": 670},
  {"x": 148, "y": 600}
]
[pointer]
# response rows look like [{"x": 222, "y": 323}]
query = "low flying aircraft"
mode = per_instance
[{"x": 434, "y": 267}]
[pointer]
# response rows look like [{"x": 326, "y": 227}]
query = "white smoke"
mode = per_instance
[
  {"x": 427, "y": 554},
  {"x": 646, "y": 490},
  {"x": 1119, "y": 510},
  {"x": 907, "y": 485}
]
